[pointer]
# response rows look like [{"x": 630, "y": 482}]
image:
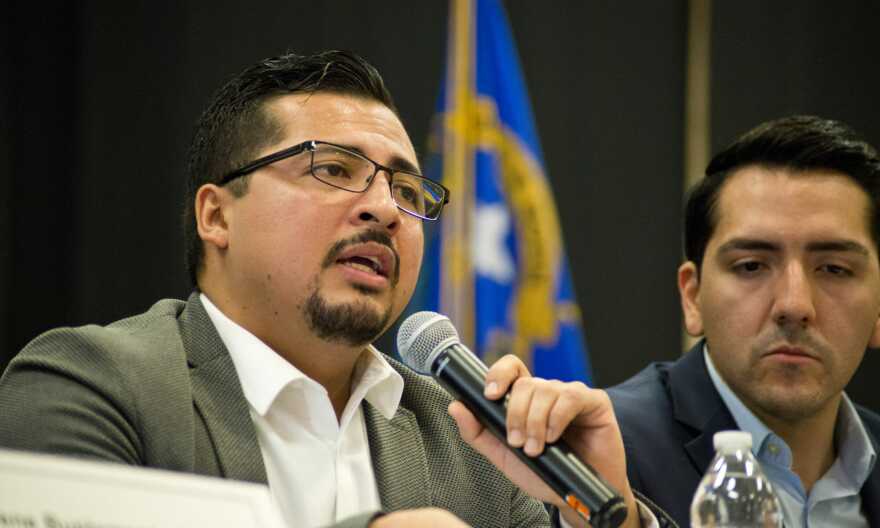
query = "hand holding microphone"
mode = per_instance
[{"x": 429, "y": 344}]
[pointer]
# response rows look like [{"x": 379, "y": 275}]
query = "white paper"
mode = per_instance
[{"x": 42, "y": 491}]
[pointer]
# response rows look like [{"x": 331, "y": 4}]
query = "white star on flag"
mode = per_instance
[{"x": 491, "y": 255}]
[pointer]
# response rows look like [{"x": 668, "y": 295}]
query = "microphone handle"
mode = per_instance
[{"x": 456, "y": 369}]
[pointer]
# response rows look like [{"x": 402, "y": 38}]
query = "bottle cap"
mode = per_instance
[{"x": 732, "y": 440}]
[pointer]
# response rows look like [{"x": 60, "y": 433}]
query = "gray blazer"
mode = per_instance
[{"x": 160, "y": 390}]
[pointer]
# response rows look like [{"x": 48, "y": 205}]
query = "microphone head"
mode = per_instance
[{"x": 422, "y": 337}]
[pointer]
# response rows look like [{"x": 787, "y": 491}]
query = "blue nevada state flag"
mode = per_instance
[{"x": 495, "y": 264}]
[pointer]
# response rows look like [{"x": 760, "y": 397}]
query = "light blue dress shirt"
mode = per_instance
[{"x": 834, "y": 499}]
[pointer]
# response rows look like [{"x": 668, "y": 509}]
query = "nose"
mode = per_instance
[
  {"x": 793, "y": 303},
  {"x": 376, "y": 205}
]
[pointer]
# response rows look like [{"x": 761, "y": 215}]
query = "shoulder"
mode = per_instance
[
  {"x": 871, "y": 420},
  {"x": 644, "y": 391},
  {"x": 643, "y": 406},
  {"x": 147, "y": 337},
  {"x": 155, "y": 324},
  {"x": 428, "y": 402},
  {"x": 682, "y": 388},
  {"x": 419, "y": 391},
  {"x": 93, "y": 390}
]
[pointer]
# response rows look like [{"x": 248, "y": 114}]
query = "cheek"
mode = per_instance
[
  {"x": 410, "y": 250},
  {"x": 290, "y": 242},
  {"x": 853, "y": 328},
  {"x": 731, "y": 326},
  {"x": 735, "y": 306}
]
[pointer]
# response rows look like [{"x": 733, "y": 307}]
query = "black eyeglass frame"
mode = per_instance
[{"x": 310, "y": 146}]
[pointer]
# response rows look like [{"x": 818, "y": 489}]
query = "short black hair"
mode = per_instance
[
  {"x": 235, "y": 126},
  {"x": 798, "y": 143}
]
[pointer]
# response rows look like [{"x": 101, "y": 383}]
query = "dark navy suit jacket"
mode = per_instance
[{"x": 668, "y": 414}]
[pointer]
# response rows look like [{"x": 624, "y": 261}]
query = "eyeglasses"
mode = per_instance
[{"x": 351, "y": 171}]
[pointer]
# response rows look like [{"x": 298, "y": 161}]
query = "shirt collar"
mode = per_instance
[
  {"x": 264, "y": 374},
  {"x": 854, "y": 447},
  {"x": 745, "y": 419}
]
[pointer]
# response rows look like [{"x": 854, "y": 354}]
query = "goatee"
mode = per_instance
[{"x": 353, "y": 324}]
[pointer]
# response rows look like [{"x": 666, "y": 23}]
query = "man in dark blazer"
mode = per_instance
[
  {"x": 303, "y": 225},
  {"x": 782, "y": 280}
]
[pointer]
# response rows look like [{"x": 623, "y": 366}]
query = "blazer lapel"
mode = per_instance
[
  {"x": 871, "y": 498},
  {"x": 218, "y": 396},
  {"x": 698, "y": 405},
  {"x": 701, "y": 448},
  {"x": 399, "y": 459}
]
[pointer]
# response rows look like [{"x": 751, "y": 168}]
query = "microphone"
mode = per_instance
[{"x": 430, "y": 345}]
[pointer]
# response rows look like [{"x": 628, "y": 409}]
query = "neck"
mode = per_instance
[
  {"x": 333, "y": 366},
  {"x": 330, "y": 364},
  {"x": 811, "y": 440}
]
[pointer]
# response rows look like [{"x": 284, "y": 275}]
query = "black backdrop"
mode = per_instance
[{"x": 97, "y": 102}]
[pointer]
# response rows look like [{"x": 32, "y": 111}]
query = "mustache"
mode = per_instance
[
  {"x": 380, "y": 237},
  {"x": 794, "y": 335}
]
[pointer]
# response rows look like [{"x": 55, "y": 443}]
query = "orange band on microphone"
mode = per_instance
[{"x": 578, "y": 506}]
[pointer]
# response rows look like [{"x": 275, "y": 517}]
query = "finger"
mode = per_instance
[
  {"x": 543, "y": 400},
  {"x": 518, "y": 411},
  {"x": 502, "y": 374},
  {"x": 575, "y": 400},
  {"x": 477, "y": 436}
]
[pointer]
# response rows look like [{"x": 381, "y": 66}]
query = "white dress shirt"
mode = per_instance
[{"x": 319, "y": 469}]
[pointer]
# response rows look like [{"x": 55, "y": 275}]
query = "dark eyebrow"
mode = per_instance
[
  {"x": 844, "y": 246},
  {"x": 749, "y": 244},
  {"x": 397, "y": 163}
]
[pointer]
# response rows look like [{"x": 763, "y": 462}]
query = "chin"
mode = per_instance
[
  {"x": 790, "y": 403},
  {"x": 352, "y": 322}
]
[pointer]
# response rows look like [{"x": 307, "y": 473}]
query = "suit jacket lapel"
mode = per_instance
[
  {"x": 218, "y": 396},
  {"x": 399, "y": 459},
  {"x": 871, "y": 498},
  {"x": 698, "y": 405},
  {"x": 871, "y": 489}
]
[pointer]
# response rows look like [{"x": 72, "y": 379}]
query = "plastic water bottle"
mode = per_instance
[{"x": 735, "y": 493}]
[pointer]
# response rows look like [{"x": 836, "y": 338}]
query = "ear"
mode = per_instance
[
  {"x": 211, "y": 209},
  {"x": 689, "y": 289}
]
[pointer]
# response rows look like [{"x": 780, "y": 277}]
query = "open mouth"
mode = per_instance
[
  {"x": 368, "y": 264},
  {"x": 372, "y": 258}
]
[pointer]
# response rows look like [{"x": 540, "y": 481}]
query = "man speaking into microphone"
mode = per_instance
[{"x": 303, "y": 224}]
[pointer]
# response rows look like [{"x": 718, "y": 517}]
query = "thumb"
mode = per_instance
[
  {"x": 468, "y": 426},
  {"x": 478, "y": 436}
]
